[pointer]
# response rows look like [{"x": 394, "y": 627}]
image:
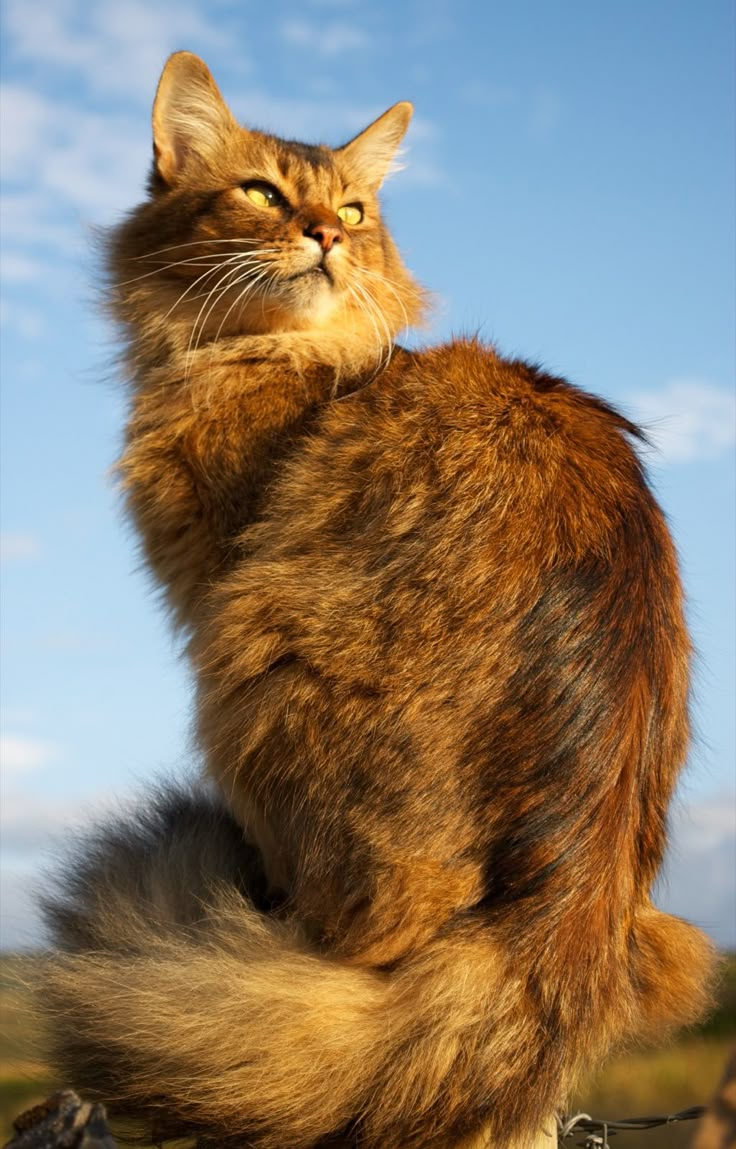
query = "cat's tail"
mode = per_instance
[{"x": 176, "y": 999}]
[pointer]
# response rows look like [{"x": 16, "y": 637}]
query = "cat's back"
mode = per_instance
[
  {"x": 457, "y": 441},
  {"x": 440, "y": 504}
]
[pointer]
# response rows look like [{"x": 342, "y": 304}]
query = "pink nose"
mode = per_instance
[{"x": 325, "y": 233}]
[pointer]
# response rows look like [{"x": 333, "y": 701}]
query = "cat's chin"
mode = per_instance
[{"x": 307, "y": 300}]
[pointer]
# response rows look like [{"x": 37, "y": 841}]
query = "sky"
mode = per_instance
[{"x": 567, "y": 192}]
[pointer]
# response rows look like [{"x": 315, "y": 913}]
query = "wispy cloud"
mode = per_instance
[
  {"x": 687, "y": 420},
  {"x": 31, "y": 824},
  {"x": 32, "y": 828},
  {"x": 331, "y": 38},
  {"x": 19, "y": 753},
  {"x": 20, "y": 269},
  {"x": 66, "y": 158},
  {"x": 699, "y": 877},
  {"x": 18, "y": 546},
  {"x": 321, "y": 120},
  {"x": 113, "y": 48},
  {"x": 26, "y": 118}
]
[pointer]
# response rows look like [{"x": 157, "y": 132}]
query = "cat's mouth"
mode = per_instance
[{"x": 320, "y": 271}]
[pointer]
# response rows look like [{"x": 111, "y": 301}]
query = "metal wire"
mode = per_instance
[{"x": 597, "y": 1130}]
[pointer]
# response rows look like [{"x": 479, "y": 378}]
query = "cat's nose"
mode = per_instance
[{"x": 326, "y": 234}]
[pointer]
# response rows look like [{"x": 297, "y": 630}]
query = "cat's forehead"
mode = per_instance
[{"x": 307, "y": 168}]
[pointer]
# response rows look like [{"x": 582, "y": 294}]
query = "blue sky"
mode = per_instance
[{"x": 568, "y": 193}]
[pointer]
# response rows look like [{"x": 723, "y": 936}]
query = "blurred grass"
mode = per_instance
[
  {"x": 648, "y": 1081},
  {"x": 25, "y": 1079}
]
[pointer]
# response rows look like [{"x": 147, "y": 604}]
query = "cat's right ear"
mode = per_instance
[
  {"x": 368, "y": 157},
  {"x": 190, "y": 117}
]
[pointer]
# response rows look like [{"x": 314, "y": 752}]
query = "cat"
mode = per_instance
[{"x": 436, "y": 625}]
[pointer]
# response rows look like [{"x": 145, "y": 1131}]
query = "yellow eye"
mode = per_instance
[
  {"x": 351, "y": 213},
  {"x": 263, "y": 195}
]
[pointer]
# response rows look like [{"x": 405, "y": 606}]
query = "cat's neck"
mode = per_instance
[
  {"x": 346, "y": 352},
  {"x": 160, "y": 349}
]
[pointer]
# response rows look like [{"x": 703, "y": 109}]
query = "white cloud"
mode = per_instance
[
  {"x": 19, "y": 753},
  {"x": 325, "y": 39},
  {"x": 15, "y": 546},
  {"x": 115, "y": 47},
  {"x": 31, "y": 824},
  {"x": 32, "y": 830},
  {"x": 67, "y": 169},
  {"x": 68, "y": 158},
  {"x": 20, "y": 268},
  {"x": 699, "y": 877},
  {"x": 26, "y": 118},
  {"x": 34, "y": 219},
  {"x": 687, "y": 420},
  {"x": 101, "y": 167}
]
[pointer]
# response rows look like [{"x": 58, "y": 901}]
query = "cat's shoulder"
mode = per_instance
[{"x": 472, "y": 381}]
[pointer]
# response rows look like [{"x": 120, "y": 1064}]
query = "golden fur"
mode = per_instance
[{"x": 442, "y": 673}]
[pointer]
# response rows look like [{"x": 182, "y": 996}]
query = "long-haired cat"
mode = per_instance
[{"x": 436, "y": 626}]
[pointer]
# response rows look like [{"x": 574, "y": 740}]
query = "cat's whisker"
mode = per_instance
[
  {"x": 194, "y": 243},
  {"x": 194, "y": 261},
  {"x": 373, "y": 307},
  {"x": 224, "y": 284},
  {"x": 252, "y": 285},
  {"x": 362, "y": 306},
  {"x": 234, "y": 262},
  {"x": 199, "y": 323},
  {"x": 381, "y": 315},
  {"x": 384, "y": 281},
  {"x": 217, "y": 260},
  {"x": 241, "y": 297},
  {"x": 201, "y": 278}
]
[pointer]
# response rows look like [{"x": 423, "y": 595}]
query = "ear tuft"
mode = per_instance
[
  {"x": 369, "y": 156},
  {"x": 190, "y": 117}
]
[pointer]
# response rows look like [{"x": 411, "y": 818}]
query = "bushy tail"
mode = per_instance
[{"x": 179, "y": 999}]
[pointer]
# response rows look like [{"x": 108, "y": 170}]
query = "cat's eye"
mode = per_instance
[
  {"x": 351, "y": 213},
  {"x": 263, "y": 194}
]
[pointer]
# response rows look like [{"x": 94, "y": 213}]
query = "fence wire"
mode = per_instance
[{"x": 596, "y": 1131}]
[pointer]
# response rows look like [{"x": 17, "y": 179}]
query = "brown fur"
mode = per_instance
[{"x": 442, "y": 668}]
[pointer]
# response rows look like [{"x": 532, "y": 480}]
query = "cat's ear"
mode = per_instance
[
  {"x": 190, "y": 117},
  {"x": 368, "y": 156}
]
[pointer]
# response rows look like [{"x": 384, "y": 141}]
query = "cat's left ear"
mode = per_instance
[{"x": 368, "y": 157}]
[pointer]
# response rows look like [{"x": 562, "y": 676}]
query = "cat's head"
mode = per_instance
[{"x": 245, "y": 233}]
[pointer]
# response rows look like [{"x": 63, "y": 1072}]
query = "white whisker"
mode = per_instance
[
  {"x": 373, "y": 308},
  {"x": 388, "y": 283},
  {"x": 193, "y": 243}
]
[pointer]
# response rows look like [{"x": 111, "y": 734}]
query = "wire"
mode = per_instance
[{"x": 598, "y": 1130}]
